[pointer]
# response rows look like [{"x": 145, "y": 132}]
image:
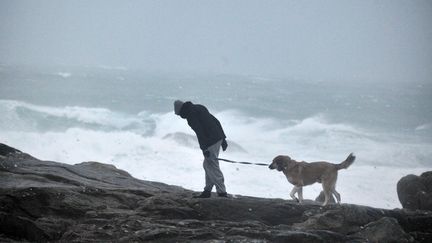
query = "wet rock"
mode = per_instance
[
  {"x": 385, "y": 229},
  {"x": 6, "y": 150},
  {"x": 344, "y": 218},
  {"x": 44, "y": 201},
  {"x": 415, "y": 192}
]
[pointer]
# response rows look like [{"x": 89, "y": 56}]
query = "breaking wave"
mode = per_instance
[{"x": 312, "y": 138}]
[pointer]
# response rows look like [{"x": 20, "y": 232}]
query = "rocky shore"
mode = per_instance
[{"x": 44, "y": 201}]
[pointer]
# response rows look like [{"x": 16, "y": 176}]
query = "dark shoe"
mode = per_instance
[
  {"x": 204, "y": 194},
  {"x": 222, "y": 194}
]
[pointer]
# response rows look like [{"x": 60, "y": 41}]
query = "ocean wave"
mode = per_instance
[
  {"x": 311, "y": 139},
  {"x": 64, "y": 74},
  {"x": 161, "y": 147},
  {"x": 20, "y": 115},
  {"x": 426, "y": 126}
]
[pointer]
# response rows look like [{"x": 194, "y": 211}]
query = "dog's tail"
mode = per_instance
[{"x": 349, "y": 160}]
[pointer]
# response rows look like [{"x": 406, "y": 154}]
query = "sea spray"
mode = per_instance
[{"x": 161, "y": 147}]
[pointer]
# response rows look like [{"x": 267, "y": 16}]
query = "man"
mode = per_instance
[{"x": 210, "y": 137}]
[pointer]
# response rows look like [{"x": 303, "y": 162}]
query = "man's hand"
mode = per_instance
[
  {"x": 224, "y": 145},
  {"x": 206, "y": 153}
]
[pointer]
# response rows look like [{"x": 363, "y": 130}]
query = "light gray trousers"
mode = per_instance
[{"x": 213, "y": 174}]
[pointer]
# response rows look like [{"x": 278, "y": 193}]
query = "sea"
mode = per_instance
[{"x": 125, "y": 117}]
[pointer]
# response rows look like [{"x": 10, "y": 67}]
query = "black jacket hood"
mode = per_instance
[{"x": 185, "y": 109}]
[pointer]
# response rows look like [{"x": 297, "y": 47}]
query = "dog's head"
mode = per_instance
[{"x": 281, "y": 163}]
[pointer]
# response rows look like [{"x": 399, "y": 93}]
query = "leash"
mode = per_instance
[{"x": 241, "y": 162}]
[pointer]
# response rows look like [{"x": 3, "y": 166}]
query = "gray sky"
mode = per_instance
[{"x": 322, "y": 40}]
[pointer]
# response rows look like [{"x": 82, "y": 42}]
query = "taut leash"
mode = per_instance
[{"x": 241, "y": 162}]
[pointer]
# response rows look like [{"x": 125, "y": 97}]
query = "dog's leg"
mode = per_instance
[
  {"x": 337, "y": 195},
  {"x": 300, "y": 194},
  {"x": 327, "y": 197},
  {"x": 327, "y": 187},
  {"x": 293, "y": 192}
]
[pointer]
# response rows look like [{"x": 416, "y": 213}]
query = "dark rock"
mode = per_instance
[
  {"x": 6, "y": 150},
  {"x": 44, "y": 201},
  {"x": 385, "y": 229},
  {"x": 344, "y": 218},
  {"x": 413, "y": 221},
  {"x": 422, "y": 237},
  {"x": 415, "y": 192}
]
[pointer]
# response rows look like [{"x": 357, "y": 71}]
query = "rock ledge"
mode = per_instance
[{"x": 50, "y": 201}]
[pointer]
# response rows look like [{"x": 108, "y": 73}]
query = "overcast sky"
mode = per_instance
[{"x": 325, "y": 40}]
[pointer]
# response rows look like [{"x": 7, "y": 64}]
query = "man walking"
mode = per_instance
[{"x": 210, "y": 137}]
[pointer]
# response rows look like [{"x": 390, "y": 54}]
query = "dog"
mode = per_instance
[{"x": 302, "y": 174}]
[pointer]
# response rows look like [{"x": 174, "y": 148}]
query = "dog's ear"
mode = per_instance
[
  {"x": 279, "y": 165},
  {"x": 291, "y": 164}
]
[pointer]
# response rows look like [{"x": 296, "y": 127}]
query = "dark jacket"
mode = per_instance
[{"x": 207, "y": 128}]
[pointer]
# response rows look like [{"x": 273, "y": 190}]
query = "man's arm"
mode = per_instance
[
  {"x": 224, "y": 142},
  {"x": 195, "y": 124}
]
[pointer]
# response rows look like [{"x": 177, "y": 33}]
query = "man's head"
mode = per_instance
[{"x": 177, "y": 106}]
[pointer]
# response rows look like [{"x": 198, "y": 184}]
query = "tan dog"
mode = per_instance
[{"x": 302, "y": 174}]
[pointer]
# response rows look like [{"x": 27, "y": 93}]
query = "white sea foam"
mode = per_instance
[
  {"x": 144, "y": 145},
  {"x": 422, "y": 127},
  {"x": 23, "y": 116},
  {"x": 64, "y": 74}
]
